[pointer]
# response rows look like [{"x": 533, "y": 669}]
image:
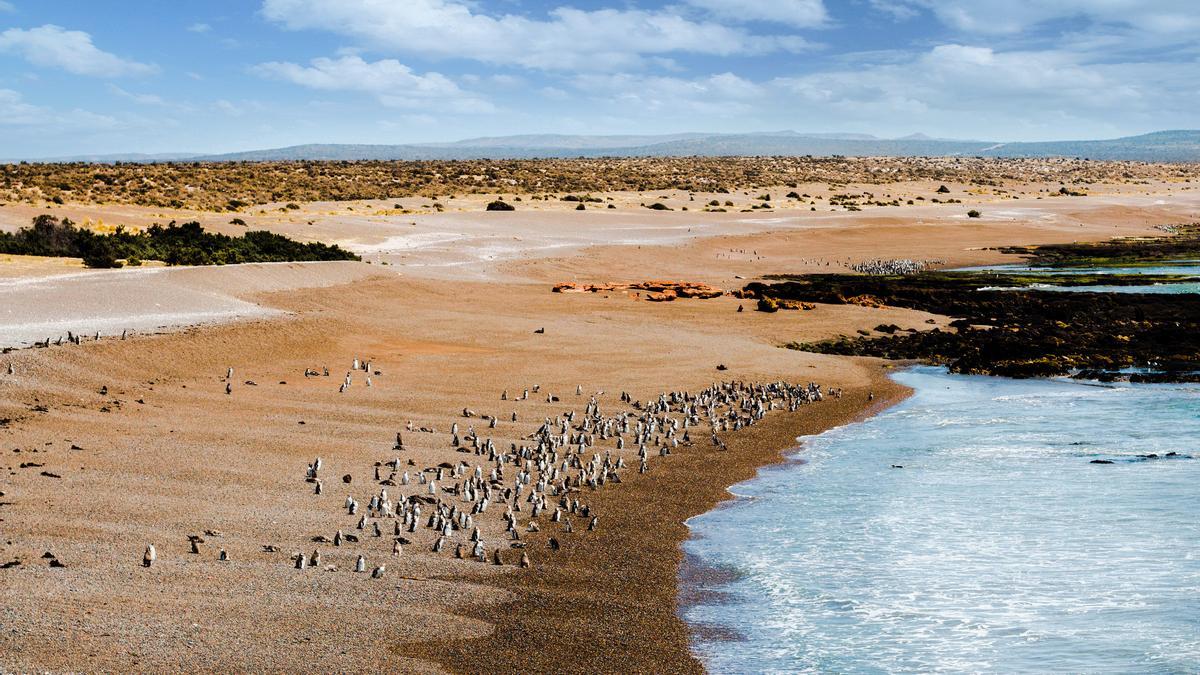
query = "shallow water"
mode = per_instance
[
  {"x": 998, "y": 546},
  {"x": 1172, "y": 267},
  {"x": 1178, "y": 267}
]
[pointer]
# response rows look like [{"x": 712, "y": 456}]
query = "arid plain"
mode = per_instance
[{"x": 112, "y": 444}]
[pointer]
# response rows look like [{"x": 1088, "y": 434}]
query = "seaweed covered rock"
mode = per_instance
[{"x": 1015, "y": 333}]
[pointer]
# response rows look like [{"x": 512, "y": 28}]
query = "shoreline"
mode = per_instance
[
  {"x": 118, "y": 428},
  {"x": 877, "y": 559},
  {"x": 89, "y": 411},
  {"x": 612, "y": 602}
]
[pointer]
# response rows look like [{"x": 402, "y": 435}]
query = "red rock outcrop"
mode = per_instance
[{"x": 656, "y": 291}]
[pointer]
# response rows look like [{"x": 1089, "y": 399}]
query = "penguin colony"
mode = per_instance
[{"x": 537, "y": 485}]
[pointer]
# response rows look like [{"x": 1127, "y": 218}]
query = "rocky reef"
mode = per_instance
[
  {"x": 1182, "y": 242},
  {"x": 1014, "y": 333}
]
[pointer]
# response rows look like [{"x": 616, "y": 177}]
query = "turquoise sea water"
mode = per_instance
[
  {"x": 998, "y": 547},
  {"x": 1178, "y": 267}
]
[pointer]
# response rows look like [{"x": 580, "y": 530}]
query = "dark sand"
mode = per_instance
[{"x": 607, "y": 602}]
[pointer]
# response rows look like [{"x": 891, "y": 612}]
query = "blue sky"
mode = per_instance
[{"x": 79, "y": 77}]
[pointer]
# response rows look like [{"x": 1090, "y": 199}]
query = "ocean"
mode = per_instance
[
  {"x": 1178, "y": 267},
  {"x": 966, "y": 529}
]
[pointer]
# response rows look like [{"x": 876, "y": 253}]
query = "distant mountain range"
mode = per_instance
[{"x": 1161, "y": 146}]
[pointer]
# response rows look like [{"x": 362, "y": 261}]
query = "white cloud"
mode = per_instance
[
  {"x": 199, "y": 28},
  {"x": 144, "y": 99},
  {"x": 228, "y": 108},
  {"x": 7, "y": 6},
  {"x": 1163, "y": 17},
  {"x": 14, "y": 110},
  {"x": 392, "y": 82},
  {"x": 718, "y": 96},
  {"x": 958, "y": 76},
  {"x": 899, "y": 10},
  {"x": 71, "y": 50},
  {"x": 569, "y": 39},
  {"x": 961, "y": 89},
  {"x": 798, "y": 13}
]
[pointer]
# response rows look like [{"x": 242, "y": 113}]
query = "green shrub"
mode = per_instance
[{"x": 186, "y": 244}]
